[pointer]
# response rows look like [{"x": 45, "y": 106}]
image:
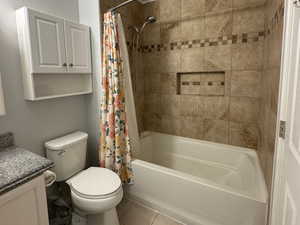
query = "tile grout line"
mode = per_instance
[{"x": 154, "y": 218}]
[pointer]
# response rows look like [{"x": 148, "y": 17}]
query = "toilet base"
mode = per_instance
[{"x": 107, "y": 218}]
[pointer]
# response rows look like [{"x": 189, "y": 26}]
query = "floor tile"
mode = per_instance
[{"x": 135, "y": 214}]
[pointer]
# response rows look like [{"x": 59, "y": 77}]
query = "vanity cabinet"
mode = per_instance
[
  {"x": 26, "y": 204},
  {"x": 55, "y": 55}
]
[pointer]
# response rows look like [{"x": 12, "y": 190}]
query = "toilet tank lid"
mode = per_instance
[{"x": 65, "y": 141}]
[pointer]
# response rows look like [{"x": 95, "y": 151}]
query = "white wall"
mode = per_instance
[
  {"x": 34, "y": 122},
  {"x": 89, "y": 14}
]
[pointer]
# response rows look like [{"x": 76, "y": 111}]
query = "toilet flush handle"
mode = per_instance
[{"x": 61, "y": 152}]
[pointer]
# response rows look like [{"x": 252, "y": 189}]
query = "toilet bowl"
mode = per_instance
[{"x": 95, "y": 191}]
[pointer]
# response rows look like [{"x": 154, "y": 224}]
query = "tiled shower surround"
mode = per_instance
[
  {"x": 270, "y": 84},
  {"x": 238, "y": 39},
  {"x": 205, "y": 36}
]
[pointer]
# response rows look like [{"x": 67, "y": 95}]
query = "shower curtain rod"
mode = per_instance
[{"x": 121, "y": 5}]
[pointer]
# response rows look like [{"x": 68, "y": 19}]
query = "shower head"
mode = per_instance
[{"x": 150, "y": 19}]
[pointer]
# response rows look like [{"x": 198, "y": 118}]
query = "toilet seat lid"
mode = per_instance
[{"x": 95, "y": 182}]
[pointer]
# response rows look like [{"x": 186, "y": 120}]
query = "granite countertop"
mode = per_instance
[{"x": 18, "y": 166}]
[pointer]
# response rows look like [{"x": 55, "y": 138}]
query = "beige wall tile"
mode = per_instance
[
  {"x": 275, "y": 40},
  {"x": 218, "y": 25},
  {"x": 151, "y": 9},
  {"x": 170, "y": 105},
  {"x": 152, "y": 103},
  {"x": 244, "y": 109},
  {"x": 217, "y": 5},
  {"x": 192, "y": 29},
  {"x": 245, "y": 83},
  {"x": 274, "y": 81},
  {"x": 244, "y": 135},
  {"x": 266, "y": 51},
  {"x": 271, "y": 130},
  {"x": 170, "y": 125},
  {"x": 152, "y": 83},
  {"x": 247, "y": 3},
  {"x": 216, "y": 108},
  {"x": 227, "y": 83},
  {"x": 168, "y": 83},
  {"x": 192, "y": 60},
  {"x": 216, "y": 131},
  {"x": 170, "y": 10},
  {"x": 152, "y": 121},
  {"x": 191, "y": 105},
  {"x": 247, "y": 56},
  {"x": 151, "y": 34},
  {"x": 152, "y": 62},
  {"x": 192, "y": 8},
  {"x": 191, "y": 127},
  {"x": 170, "y": 32},
  {"x": 248, "y": 20},
  {"x": 217, "y": 58},
  {"x": 169, "y": 61}
]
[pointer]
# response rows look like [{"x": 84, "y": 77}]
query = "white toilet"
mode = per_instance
[{"x": 95, "y": 191}]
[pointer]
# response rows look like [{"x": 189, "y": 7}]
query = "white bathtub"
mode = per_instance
[{"x": 199, "y": 182}]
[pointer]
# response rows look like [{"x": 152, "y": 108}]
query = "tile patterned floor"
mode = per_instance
[{"x": 132, "y": 213}]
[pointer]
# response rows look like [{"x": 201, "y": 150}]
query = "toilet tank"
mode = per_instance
[{"x": 68, "y": 154}]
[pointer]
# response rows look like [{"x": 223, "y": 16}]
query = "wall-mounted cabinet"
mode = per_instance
[{"x": 55, "y": 55}]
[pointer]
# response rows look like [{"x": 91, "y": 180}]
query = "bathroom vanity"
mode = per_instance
[
  {"x": 22, "y": 187},
  {"x": 26, "y": 204}
]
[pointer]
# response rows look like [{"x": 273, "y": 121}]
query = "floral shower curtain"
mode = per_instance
[{"x": 115, "y": 151}]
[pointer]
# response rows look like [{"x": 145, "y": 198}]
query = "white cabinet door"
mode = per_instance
[
  {"x": 78, "y": 48},
  {"x": 47, "y": 43},
  {"x": 25, "y": 205}
]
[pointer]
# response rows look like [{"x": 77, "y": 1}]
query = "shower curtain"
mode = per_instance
[{"x": 115, "y": 148}]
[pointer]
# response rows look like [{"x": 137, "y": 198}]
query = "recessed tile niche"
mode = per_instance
[{"x": 201, "y": 83}]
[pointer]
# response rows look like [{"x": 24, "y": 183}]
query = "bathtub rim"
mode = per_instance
[{"x": 262, "y": 196}]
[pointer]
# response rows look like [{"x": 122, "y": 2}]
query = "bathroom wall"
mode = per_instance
[
  {"x": 222, "y": 41},
  {"x": 89, "y": 15},
  {"x": 270, "y": 84},
  {"x": 34, "y": 122}
]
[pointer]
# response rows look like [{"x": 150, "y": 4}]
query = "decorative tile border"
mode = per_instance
[
  {"x": 199, "y": 43},
  {"x": 223, "y": 40}
]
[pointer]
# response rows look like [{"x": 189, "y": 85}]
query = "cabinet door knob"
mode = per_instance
[
  {"x": 65, "y": 64},
  {"x": 71, "y": 65}
]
